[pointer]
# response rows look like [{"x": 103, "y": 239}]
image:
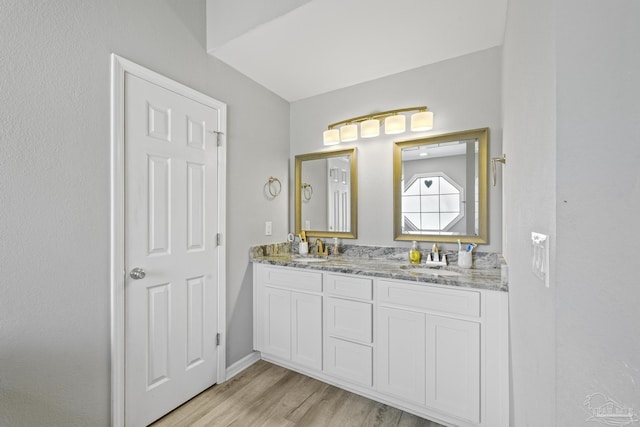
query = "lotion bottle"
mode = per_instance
[{"x": 414, "y": 254}]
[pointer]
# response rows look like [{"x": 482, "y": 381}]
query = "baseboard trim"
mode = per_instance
[{"x": 242, "y": 364}]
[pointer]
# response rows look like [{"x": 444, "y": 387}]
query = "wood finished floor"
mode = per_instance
[{"x": 269, "y": 395}]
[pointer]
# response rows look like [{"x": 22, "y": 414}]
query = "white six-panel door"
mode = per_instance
[
  {"x": 170, "y": 234},
  {"x": 339, "y": 194}
]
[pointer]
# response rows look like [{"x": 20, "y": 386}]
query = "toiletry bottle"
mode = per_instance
[
  {"x": 414, "y": 254},
  {"x": 435, "y": 255}
]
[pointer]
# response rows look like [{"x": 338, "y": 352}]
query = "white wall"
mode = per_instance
[
  {"x": 54, "y": 189},
  {"x": 530, "y": 205},
  {"x": 464, "y": 93},
  {"x": 571, "y": 113},
  {"x": 598, "y": 202}
]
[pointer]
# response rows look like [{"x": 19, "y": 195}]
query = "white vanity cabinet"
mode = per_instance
[
  {"x": 438, "y": 351},
  {"x": 290, "y": 315},
  {"x": 429, "y": 349}
]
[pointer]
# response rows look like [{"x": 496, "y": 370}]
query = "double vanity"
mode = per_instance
[{"x": 431, "y": 341}]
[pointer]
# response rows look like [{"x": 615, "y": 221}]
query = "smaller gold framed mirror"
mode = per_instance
[
  {"x": 326, "y": 194},
  {"x": 440, "y": 187}
]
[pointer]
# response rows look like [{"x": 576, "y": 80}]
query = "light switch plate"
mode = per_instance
[
  {"x": 268, "y": 228},
  {"x": 540, "y": 256}
]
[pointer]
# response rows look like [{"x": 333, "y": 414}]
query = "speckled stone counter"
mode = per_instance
[{"x": 489, "y": 269}]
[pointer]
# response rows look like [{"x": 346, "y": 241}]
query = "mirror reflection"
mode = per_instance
[
  {"x": 440, "y": 187},
  {"x": 326, "y": 194}
]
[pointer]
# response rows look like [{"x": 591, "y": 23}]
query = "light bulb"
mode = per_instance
[
  {"x": 422, "y": 120},
  {"x": 331, "y": 137},
  {"x": 370, "y": 128},
  {"x": 349, "y": 133},
  {"x": 395, "y": 124}
]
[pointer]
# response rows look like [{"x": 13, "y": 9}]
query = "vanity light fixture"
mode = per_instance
[{"x": 395, "y": 122}]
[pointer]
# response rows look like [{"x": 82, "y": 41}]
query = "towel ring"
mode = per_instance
[
  {"x": 274, "y": 190},
  {"x": 307, "y": 191}
]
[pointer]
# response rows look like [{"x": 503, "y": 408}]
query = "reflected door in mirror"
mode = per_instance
[
  {"x": 326, "y": 193},
  {"x": 339, "y": 184}
]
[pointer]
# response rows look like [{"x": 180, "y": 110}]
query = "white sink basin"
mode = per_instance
[
  {"x": 433, "y": 271},
  {"x": 308, "y": 260}
]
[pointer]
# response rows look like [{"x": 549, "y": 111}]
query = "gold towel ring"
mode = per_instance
[
  {"x": 307, "y": 191},
  {"x": 274, "y": 190}
]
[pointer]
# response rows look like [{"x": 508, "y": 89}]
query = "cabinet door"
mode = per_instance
[
  {"x": 401, "y": 341},
  {"x": 277, "y": 322},
  {"x": 306, "y": 328},
  {"x": 453, "y": 367},
  {"x": 352, "y": 320},
  {"x": 349, "y": 361}
]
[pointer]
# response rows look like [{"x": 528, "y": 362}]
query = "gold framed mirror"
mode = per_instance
[
  {"x": 440, "y": 187},
  {"x": 326, "y": 194}
]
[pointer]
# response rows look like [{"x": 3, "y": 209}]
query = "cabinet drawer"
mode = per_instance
[
  {"x": 348, "y": 286},
  {"x": 453, "y": 301},
  {"x": 349, "y": 361},
  {"x": 300, "y": 279},
  {"x": 349, "y": 319}
]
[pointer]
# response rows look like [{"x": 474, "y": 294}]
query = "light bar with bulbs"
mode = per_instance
[{"x": 394, "y": 122}]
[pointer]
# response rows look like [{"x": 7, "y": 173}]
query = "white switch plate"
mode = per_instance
[
  {"x": 307, "y": 225},
  {"x": 268, "y": 228},
  {"x": 540, "y": 256}
]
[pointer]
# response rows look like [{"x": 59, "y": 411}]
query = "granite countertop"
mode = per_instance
[{"x": 489, "y": 271}]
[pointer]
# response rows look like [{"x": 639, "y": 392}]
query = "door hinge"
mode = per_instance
[
  {"x": 218, "y": 338},
  {"x": 218, "y": 239},
  {"x": 218, "y": 140}
]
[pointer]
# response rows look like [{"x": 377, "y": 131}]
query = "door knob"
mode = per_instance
[{"x": 137, "y": 273}]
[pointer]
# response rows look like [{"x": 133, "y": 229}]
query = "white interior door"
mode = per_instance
[
  {"x": 170, "y": 232},
  {"x": 339, "y": 194}
]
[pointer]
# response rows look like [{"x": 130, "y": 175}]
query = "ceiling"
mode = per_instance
[{"x": 303, "y": 48}]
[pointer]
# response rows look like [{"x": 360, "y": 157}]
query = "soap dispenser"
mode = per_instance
[
  {"x": 435, "y": 253},
  {"x": 414, "y": 254}
]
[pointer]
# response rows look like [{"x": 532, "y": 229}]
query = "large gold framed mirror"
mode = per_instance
[
  {"x": 440, "y": 187},
  {"x": 326, "y": 194}
]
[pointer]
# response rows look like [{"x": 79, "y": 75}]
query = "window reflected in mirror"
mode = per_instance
[
  {"x": 431, "y": 203},
  {"x": 440, "y": 186}
]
